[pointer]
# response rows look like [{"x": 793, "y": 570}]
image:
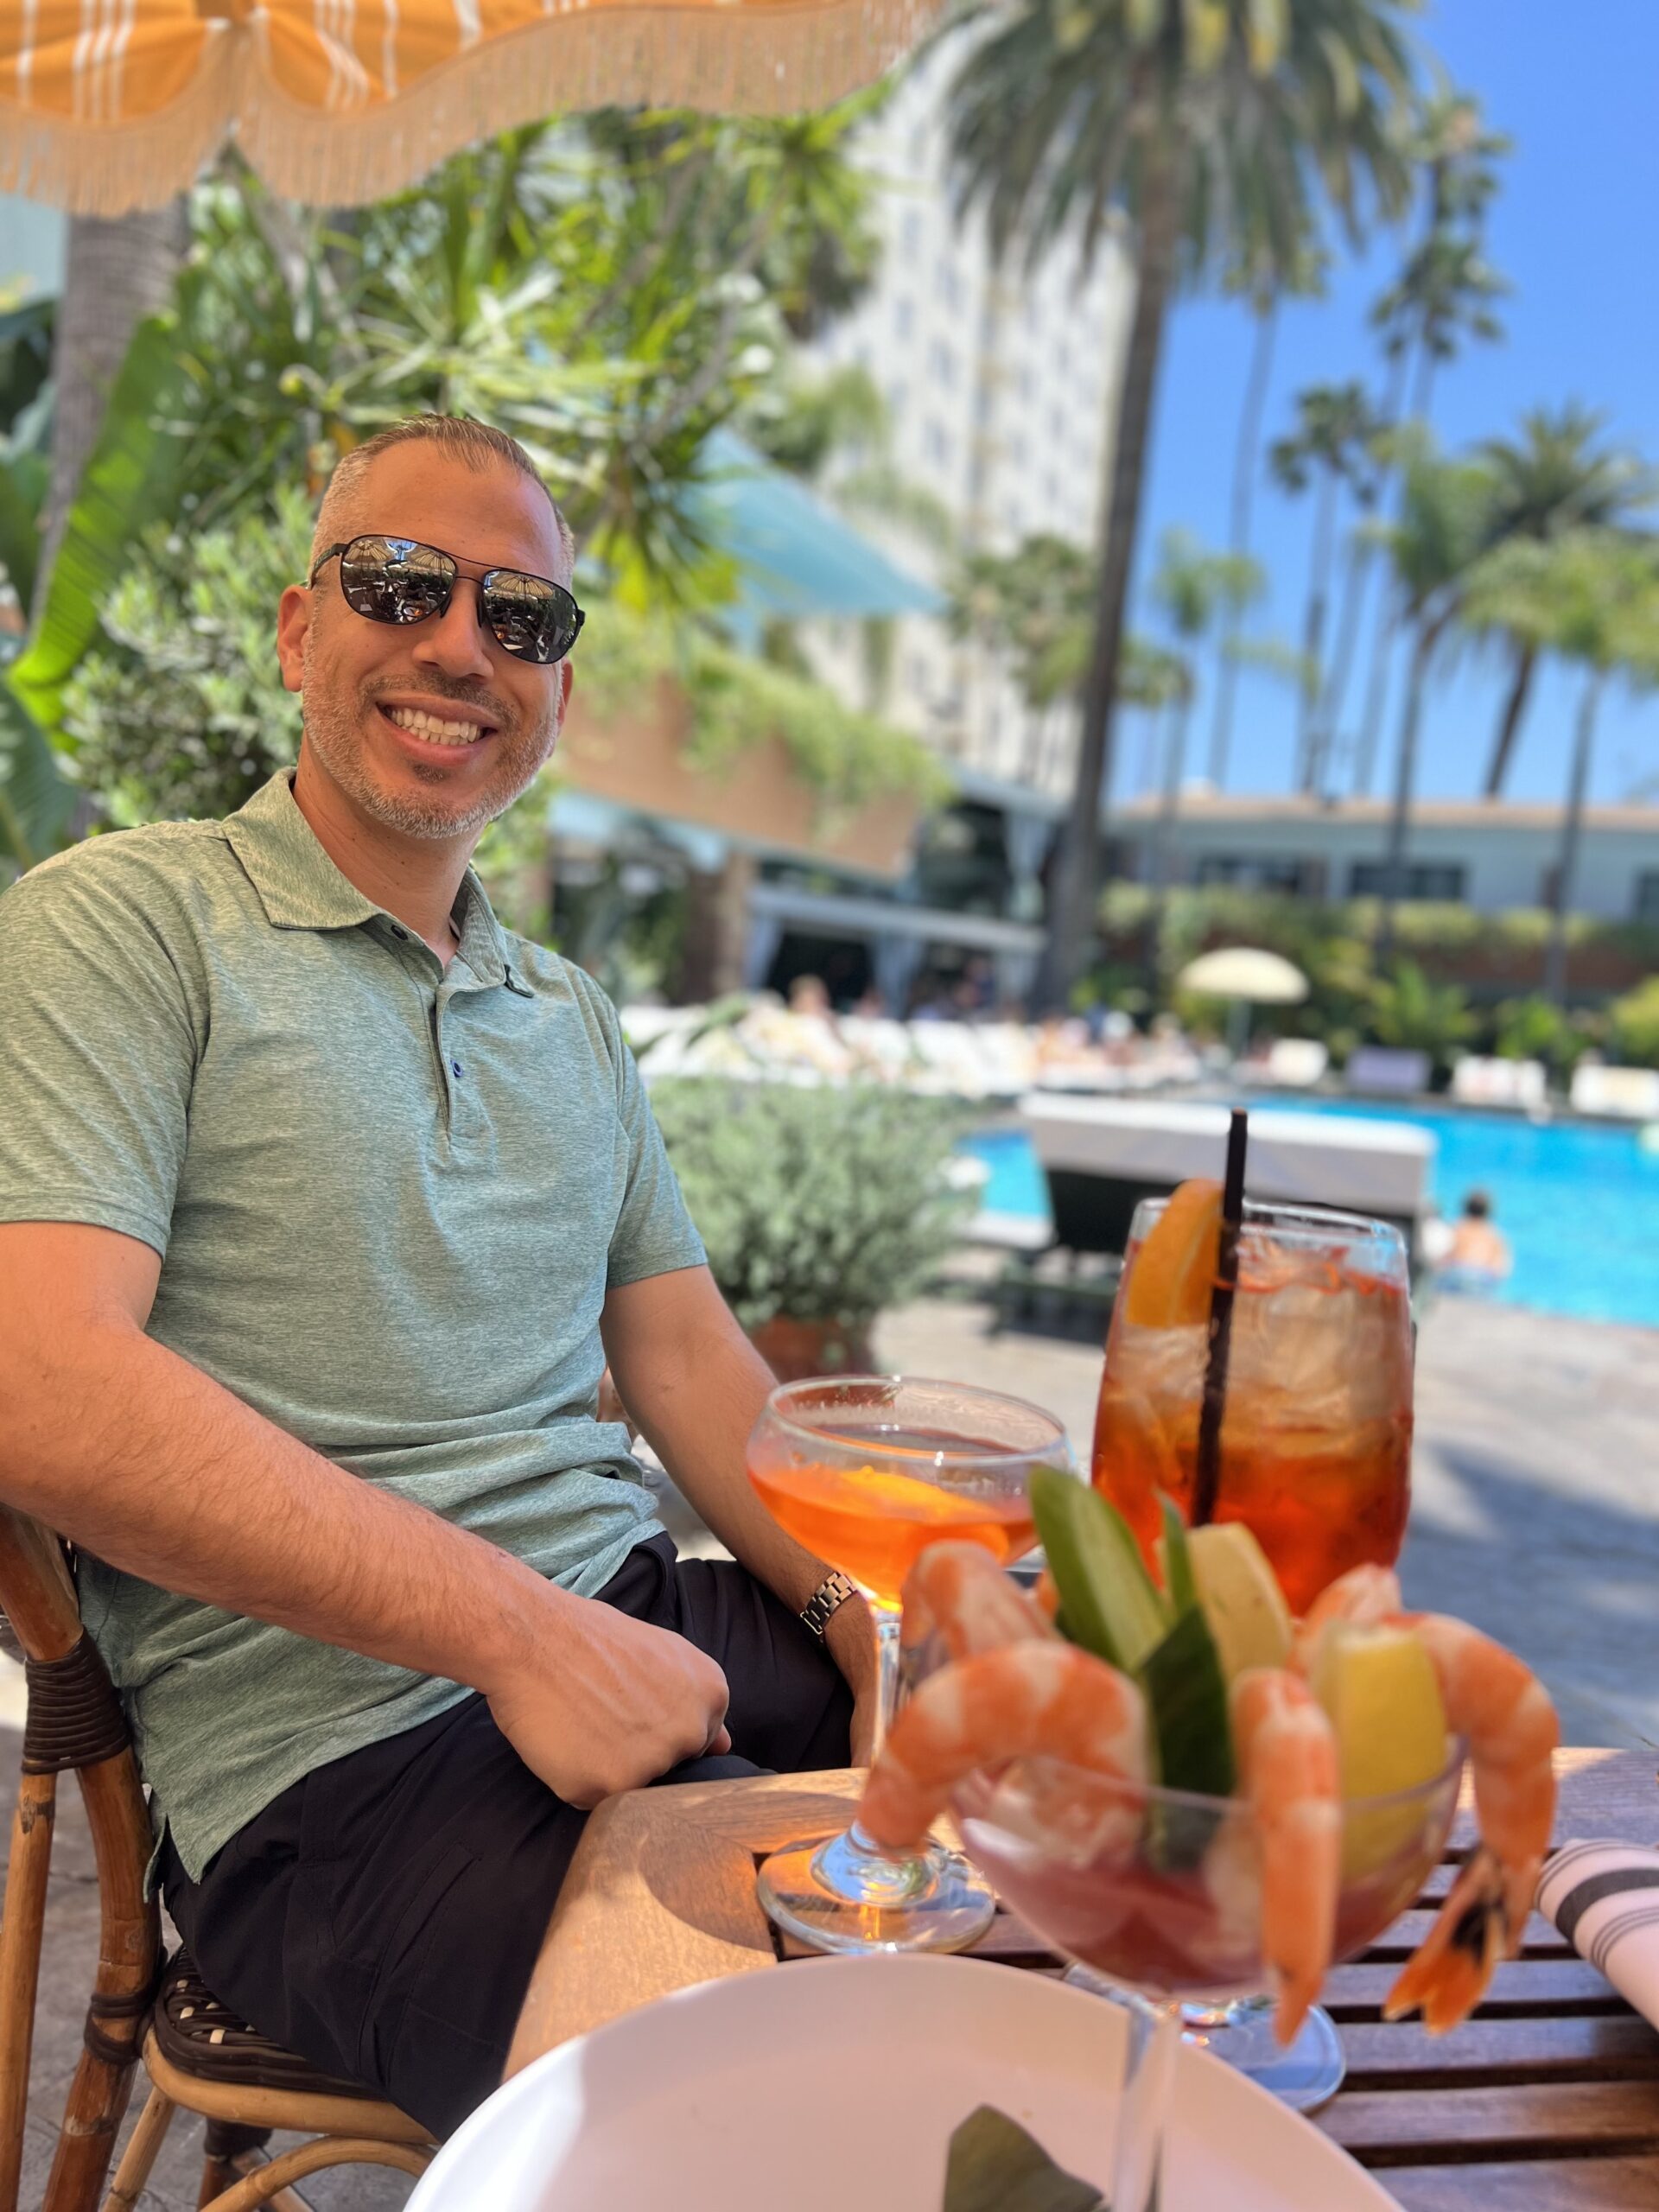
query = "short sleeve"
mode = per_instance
[
  {"x": 654, "y": 1234},
  {"x": 98, "y": 1052}
]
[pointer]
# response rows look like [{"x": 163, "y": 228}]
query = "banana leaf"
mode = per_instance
[
  {"x": 36, "y": 799},
  {"x": 129, "y": 482},
  {"x": 23, "y": 488}
]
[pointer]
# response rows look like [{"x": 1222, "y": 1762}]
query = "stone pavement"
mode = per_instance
[{"x": 1535, "y": 1515}]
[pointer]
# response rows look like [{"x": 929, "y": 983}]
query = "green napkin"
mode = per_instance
[{"x": 995, "y": 2166}]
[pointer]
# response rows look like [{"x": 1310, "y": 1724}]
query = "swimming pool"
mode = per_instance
[{"x": 1579, "y": 1202}]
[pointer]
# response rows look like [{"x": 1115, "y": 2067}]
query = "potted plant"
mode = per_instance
[{"x": 819, "y": 1206}]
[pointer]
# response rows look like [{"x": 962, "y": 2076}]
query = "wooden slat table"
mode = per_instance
[{"x": 1548, "y": 2100}]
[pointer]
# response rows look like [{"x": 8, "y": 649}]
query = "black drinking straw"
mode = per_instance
[{"x": 1207, "y": 1477}]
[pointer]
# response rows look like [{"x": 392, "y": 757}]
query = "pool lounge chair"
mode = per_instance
[
  {"x": 1385, "y": 1071},
  {"x": 1620, "y": 1094},
  {"x": 1477, "y": 1081},
  {"x": 1291, "y": 1064}
]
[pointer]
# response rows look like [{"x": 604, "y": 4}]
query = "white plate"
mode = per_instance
[{"x": 837, "y": 2084}]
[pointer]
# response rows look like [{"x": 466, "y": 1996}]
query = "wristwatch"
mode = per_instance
[{"x": 831, "y": 1593}]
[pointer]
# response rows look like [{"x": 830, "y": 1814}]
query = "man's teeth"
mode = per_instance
[{"x": 419, "y": 724}]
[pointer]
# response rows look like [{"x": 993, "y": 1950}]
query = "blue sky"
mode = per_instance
[{"x": 1573, "y": 230}]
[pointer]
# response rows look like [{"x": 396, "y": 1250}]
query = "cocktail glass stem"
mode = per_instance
[
  {"x": 1143, "y": 2113},
  {"x": 888, "y": 1623}
]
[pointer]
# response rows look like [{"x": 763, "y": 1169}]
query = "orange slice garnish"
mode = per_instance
[{"x": 1174, "y": 1270}]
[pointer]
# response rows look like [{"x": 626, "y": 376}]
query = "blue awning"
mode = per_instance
[{"x": 799, "y": 557}]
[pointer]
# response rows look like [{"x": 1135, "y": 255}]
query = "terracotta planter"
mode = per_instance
[{"x": 794, "y": 1349}]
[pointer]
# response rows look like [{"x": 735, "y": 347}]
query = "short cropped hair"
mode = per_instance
[{"x": 459, "y": 438}]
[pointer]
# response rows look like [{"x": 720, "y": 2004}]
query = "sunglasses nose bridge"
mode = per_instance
[{"x": 457, "y": 634}]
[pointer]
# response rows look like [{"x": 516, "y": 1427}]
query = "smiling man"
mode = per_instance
[{"x": 323, "y": 1201}]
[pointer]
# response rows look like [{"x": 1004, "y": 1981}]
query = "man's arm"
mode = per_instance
[
  {"x": 696, "y": 1385},
  {"x": 124, "y": 1448}
]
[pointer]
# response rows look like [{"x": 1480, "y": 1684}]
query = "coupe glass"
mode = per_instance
[
  {"x": 867, "y": 1471},
  {"x": 1158, "y": 1891},
  {"x": 1314, "y": 1458}
]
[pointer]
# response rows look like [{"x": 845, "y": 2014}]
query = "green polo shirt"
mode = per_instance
[{"x": 389, "y": 1199}]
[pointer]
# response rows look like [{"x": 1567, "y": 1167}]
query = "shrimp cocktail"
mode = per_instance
[
  {"x": 867, "y": 1471},
  {"x": 1174, "y": 1782},
  {"x": 1314, "y": 1449}
]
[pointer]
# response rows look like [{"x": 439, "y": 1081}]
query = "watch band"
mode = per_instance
[{"x": 831, "y": 1593}]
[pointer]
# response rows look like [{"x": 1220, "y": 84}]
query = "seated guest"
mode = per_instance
[{"x": 324, "y": 1202}]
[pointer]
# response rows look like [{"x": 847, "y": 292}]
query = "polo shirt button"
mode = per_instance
[{"x": 455, "y": 1068}]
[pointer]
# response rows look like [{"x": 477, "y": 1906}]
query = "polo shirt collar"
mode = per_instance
[{"x": 301, "y": 888}]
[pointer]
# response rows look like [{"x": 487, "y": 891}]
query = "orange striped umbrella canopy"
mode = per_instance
[{"x": 110, "y": 104}]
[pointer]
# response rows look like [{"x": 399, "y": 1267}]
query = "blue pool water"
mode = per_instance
[{"x": 1579, "y": 1203}]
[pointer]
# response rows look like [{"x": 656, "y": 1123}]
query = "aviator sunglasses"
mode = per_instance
[{"x": 399, "y": 580}]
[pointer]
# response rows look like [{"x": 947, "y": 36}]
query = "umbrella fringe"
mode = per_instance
[{"x": 734, "y": 57}]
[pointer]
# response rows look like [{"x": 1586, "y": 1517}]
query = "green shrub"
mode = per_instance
[
  {"x": 1537, "y": 1029},
  {"x": 1633, "y": 1025},
  {"x": 1414, "y": 1015},
  {"x": 816, "y": 1204}
]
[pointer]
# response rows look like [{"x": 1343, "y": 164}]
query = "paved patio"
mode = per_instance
[{"x": 1537, "y": 1515}]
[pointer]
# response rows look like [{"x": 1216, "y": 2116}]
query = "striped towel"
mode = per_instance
[{"x": 1603, "y": 1897}]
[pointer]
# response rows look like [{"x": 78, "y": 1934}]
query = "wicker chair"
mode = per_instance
[{"x": 196, "y": 2055}]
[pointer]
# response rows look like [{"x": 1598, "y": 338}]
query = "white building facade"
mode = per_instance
[
  {"x": 1490, "y": 857},
  {"x": 999, "y": 385}
]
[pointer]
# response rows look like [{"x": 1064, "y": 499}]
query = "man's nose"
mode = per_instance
[{"x": 455, "y": 640}]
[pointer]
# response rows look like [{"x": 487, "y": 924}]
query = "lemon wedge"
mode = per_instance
[
  {"x": 1239, "y": 1597},
  {"x": 1379, "y": 1687}
]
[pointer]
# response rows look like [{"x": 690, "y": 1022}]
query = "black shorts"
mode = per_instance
[{"x": 381, "y": 1918}]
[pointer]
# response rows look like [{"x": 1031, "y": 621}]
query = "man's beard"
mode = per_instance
[{"x": 334, "y": 733}]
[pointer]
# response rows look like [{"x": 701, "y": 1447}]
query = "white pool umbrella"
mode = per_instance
[{"x": 1243, "y": 971}]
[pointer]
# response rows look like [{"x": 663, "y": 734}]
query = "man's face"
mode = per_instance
[{"x": 363, "y": 681}]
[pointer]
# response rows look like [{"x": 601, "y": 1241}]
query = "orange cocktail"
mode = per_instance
[
  {"x": 874, "y": 1522},
  {"x": 1315, "y": 1443}
]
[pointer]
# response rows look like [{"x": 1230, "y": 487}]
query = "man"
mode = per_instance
[
  {"x": 323, "y": 1202},
  {"x": 1478, "y": 1257}
]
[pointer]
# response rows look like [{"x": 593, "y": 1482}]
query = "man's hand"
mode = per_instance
[
  {"x": 850, "y": 1634},
  {"x": 595, "y": 1701}
]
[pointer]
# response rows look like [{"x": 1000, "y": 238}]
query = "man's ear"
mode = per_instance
[{"x": 293, "y": 622}]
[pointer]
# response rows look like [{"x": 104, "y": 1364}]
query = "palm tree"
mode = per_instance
[
  {"x": 1334, "y": 444},
  {"x": 1443, "y": 530},
  {"x": 118, "y": 269},
  {"x": 1554, "y": 477},
  {"x": 1591, "y": 596},
  {"x": 1264, "y": 288},
  {"x": 1443, "y": 295},
  {"x": 1187, "y": 128}
]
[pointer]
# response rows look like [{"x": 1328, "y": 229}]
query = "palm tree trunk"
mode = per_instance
[
  {"x": 1355, "y": 574},
  {"x": 1405, "y": 777},
  {"x": 1249, "y": 443},
  {"x": 118, "y": 270},
  {"x": 1319, "y": 592},
  {"x": 1387, "y": 625},
  {"x": 1561, "y": 903},
  {"x": 1163, "y": 835},
  {"x": 1509, "y": 728},
  {"x": 1072, "y": 920}
]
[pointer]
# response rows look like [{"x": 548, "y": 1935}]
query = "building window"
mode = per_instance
[
  {"x": 1257, "y": 871},
  {"x": 942, "y": 364},
  {"x": 936, "y": 446},
  {"x": 1436, "y": 880},
  {"x": 947, "y": 284},
  {"x": 1647, "y": 895},
  {"x": 904, "y": 317},
  {"x": 910, "y": 232}
]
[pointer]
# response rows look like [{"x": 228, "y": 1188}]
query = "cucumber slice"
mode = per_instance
[
  {"x": 1108, "y": 1602},
  {"x": 1187, "y": 1694},
  {"x": 1179, "y": 1589}
]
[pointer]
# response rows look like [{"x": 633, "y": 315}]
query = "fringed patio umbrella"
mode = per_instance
[{"x": 107, "y": 105}]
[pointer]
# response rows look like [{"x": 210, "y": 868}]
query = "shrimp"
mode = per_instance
[
  {"x": 1503, "y": 1711},
  {"x": 1030, "y": 1700},
  {"x": 1361, "y": 1598},
  {"x": 1287, "y": 1769},
  {"x": 958, "y": 1591}
]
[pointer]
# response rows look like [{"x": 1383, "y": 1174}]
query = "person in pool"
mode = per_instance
[{"x": 1478, "y": 1257}]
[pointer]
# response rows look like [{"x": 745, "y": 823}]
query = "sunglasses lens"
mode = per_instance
[
  {"x": 394, "y": 579},
  {"x": 530, "y": 618}
]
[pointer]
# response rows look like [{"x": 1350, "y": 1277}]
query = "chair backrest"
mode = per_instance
[{"x": 74, "y": 1720}]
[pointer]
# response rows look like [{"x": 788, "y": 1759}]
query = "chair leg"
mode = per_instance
[
  {"x": 133, "y": 2172},
  {"x": 263, "y": 2185},
  {"x": 223, "y": 2143}
]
